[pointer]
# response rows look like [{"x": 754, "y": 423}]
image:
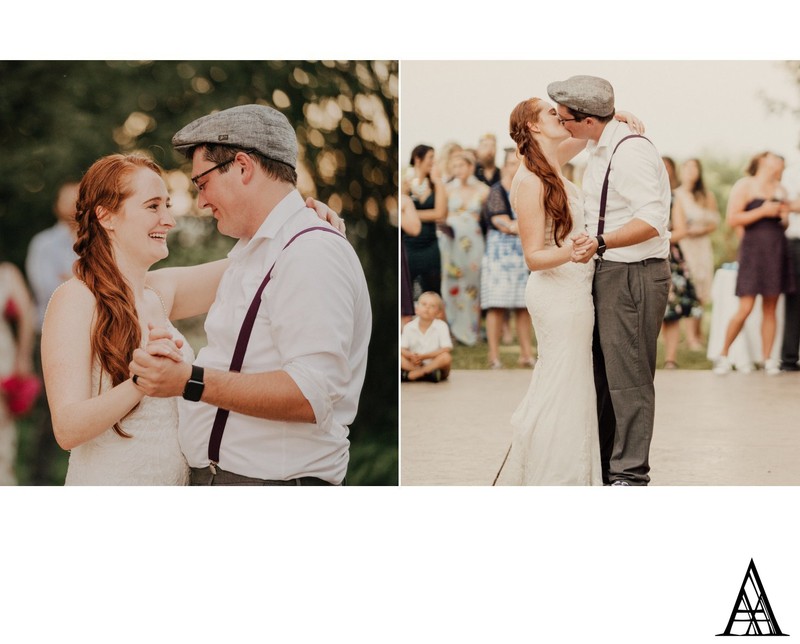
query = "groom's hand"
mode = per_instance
[
  {"x": 326, "y": 214},
  {"x": 159, "y": 376}
]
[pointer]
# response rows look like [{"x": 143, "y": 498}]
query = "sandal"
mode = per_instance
[
  {"x": 670, "y": 364},
  {"x": 526, "y": 362},
  {"x": 495, "y": 364}
]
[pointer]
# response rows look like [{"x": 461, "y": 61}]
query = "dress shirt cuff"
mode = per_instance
[{"x": 313, "y": 387}]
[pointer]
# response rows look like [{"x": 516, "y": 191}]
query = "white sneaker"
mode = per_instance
[
  {"x": 772, "y": 367},
  {"x": 722, "y": 366}
]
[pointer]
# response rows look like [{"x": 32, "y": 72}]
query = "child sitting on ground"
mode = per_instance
[{"x": 425, "y": 344}]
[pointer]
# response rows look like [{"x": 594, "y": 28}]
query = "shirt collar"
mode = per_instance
[
  {"x": 606, "y": 137},
  {"x": 279, "y": 215}
]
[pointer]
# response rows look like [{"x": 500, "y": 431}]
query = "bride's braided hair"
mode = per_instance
[
  {"x": 116, "y": 332},
  {"x": 554, "y": 197}
]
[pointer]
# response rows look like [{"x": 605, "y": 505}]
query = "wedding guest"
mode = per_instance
[
  {"x": 758, "y": 203},
  {"x": 504, "y": 274},
  {"x": 411, "y": 225},
  {"x": 425, "y": 343},
  {"x": 791, "y": 328},
  {"x": 427, "y": 191},
  {"x": 462, "y": 251},
  {"x": 17, "y": 326},
  {"x": 486, "y": 169},
  {"x": 48, "y": 265},
  {"x": 682, "y": 300},
  {"x": 444, "y": 159},
  {"x": 702, "y": 218}
]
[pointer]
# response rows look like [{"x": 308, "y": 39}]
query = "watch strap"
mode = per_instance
[
  {"x": 193, "y": 389},
  {"x": 601, "y": 245}
]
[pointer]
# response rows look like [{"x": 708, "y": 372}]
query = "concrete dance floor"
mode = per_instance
[{"x": 739, "y": 429}]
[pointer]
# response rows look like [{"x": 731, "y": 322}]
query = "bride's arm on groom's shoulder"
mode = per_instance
[
  {"x": 78, "y": 415},
  {"x": 188, "y": 290},
  {"x": 532, "y": 226},
  {"x": 634, "y": 123},
  {"x": 569, "y": 149}
]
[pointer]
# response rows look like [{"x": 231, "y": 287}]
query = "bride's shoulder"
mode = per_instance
[
  {"x": 525, "y": 181},
  {"x": 72, "y": 296},
  {"x": 526, "y": 189},
  {"x": 70, "y": 311}
]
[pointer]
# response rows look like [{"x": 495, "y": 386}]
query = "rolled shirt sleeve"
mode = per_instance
[
  {"x": 313, "y": 306},
  {"x": 637, "y": 175}
]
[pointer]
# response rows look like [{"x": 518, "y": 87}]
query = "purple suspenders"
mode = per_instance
[{"x": 221, "y": 418}]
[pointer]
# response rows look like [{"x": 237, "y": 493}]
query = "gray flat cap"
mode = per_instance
[
  {"x": 587, "y": 94},
  {"x": 257, "y": 127}
]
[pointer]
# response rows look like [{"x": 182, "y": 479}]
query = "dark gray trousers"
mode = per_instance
[
  {"x": 791, "y": 320},
  {"x": 629, "y": 301}
]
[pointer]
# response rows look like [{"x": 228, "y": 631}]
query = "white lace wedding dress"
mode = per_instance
[
  {"x": 152, "y": 456},
  {"x": 555, "y": 439}
]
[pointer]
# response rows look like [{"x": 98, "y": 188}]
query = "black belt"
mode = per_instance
[
  {"x": 643, "y": 262},
  {"x": 210, "y": 475}
]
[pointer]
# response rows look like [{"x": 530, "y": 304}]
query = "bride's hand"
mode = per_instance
[
  {"x": 160, "y": 343},
  {"x": 634, "y": 123}
]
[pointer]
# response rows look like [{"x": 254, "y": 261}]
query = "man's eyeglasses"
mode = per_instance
[
  {"x": 560, "y": 120},
  {"x": 196, "y": 178}
]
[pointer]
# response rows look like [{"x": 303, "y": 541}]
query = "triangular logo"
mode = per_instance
[{"x": 752, "y": 614}]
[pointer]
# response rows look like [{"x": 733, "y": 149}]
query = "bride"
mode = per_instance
[
  {"x": 116, "y": 435},
  {"x": 555, "y": 438}
]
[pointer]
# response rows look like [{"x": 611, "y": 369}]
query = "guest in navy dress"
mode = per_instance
[
  {"x": 430, "y": 200},
  {"x": 759, "y": 204}
]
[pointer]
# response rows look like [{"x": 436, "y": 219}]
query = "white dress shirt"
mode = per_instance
[
  {"x": 436, "y": 337},
  {"x": 314, "y": 322},
  {"x": 638, "y": 188},
  {"x": 49, "y": 264}
]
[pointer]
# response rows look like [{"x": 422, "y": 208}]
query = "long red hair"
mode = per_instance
[
  {"x": 116, "y": 333},
  {"x": 556, "y": 205}
]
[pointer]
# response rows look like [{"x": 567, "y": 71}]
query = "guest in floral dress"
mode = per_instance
[
  {"x": 504, "y": 274},
  {"x": 702, "y": 218},
  {"x": 462, "y": 244},
  {"x": 682, "y": 300}
]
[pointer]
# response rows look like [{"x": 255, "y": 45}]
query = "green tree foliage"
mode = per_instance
[{"x": 57, "y": 117}]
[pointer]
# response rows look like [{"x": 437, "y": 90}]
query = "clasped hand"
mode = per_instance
[
  {"x": 583, "y": 247},
  {"x": 159, "y": 368}
]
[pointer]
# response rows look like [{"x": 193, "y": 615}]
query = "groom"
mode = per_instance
[
  {"x": 632, "y": 276},
  {"x": 296, "y": 391}
]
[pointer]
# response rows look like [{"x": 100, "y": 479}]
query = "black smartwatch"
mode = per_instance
[
  {"x": 194, "y": 388},
  {"x": 601, "y": 245}
]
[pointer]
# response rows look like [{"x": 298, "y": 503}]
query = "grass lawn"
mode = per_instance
[{"x": 476, "y": 357}]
